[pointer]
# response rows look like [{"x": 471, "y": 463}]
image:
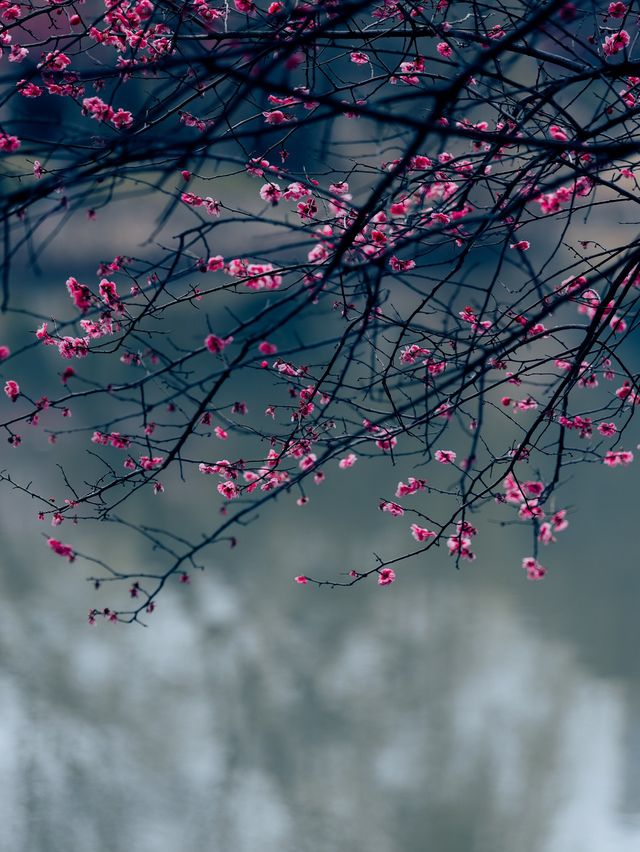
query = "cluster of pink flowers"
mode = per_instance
[
  {"x": 150, "y": 462},
  {"x": 615, "y": 43},
  {"x": 210, "y": 204},
  {"x": 460, "y": 544},
  {"x": 534, "y": 569},
  {"x": 8, "y": 143},
  {"x": 616, "y": 458},
  {"x": 101, "y": 111},
  {"x": 61, "y": 549},
  {"x": 259, "y": 276},
  {"x": 115, "y": 439}
]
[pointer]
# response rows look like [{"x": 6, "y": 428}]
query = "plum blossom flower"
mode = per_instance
[
  {"x": 386, "y": 444},
  {"x": 421, "y": 533},
  {"x": 615, "y": 43},
  {"x": 608, "y": 430},
  {"x": 150, "y": 463},
  {"x": 445, "y": 456},
  {"x": 386, "y": 576},
  {"x": 348, "y": 461},
  {"x": 228, "y": 489},
  {"x": 559, "y": 521},
  {"x": 276, "y": 116},
  {"x": 61, "y": 549},
  {"x": 460, "y": 545},
  {"x": 216, "y": 344},
  {"x": 271, "y": 192},
  {"x": 8, "y": 143},
  {"x": 617, "y": 10},
  {"x": 394, "y": 509},
  {"x": 413, "y": 485},
  {"x": 614, "y": 458},
  {"x": 534, "y": 569},
  {"x": 80, "y": 294},
  {"x": 12, "y": 390},
  {"x": 301, "y": 580}
]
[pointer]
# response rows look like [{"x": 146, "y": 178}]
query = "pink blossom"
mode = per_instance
[
  {"x": 348, "y": 461},
  {"x": 522, "y": 245},
  {"x": 215, "y": 263},
  {"x": 558, "y": 133},
  {"x": 302, "y": 580},
  {"x": 387, "y": 444},
  {"x": 421, "y": 533},
  {"x": 80, "y": 294},
  {"x": 11, "y": 13},
  {"x": 122, "y": 118},
  {"x": 73, "y": 347},
  {"x": 460, "y": 545},
  {"x": 271, "y": 192},
  {"x": 607, "y": 429},
  {"x": 307, "y": 462},
  {"x": 12, "y": 390},
  {"x": 614, "y": 458},
  {"x": 267, "y": 348},
  {"x": 150, "y": 463},
  {"x": 617, "y": 10},
  {"x": 615, "y": 43},
  {"x": 228, "y": 489},
  {"x": 534, "y": 569},
  {"x": 444, "y": 49},
  {"x": 393, "y": 508},
  {"x": 4, "y": 352},
  {"x": 61, "y": 549},
  {"x": 109, "y": 293},
  {"x": 545, "y": 533},
  {"x": 445, "y": 456},
  {"x": 8, "y": 143},
  {"x": 386, "y": 576},
  {"x": 97, "y": 109},
  {"x": 413, "y": 485},
  {"x": 559, "y": 521},
  {"x": 359, "y": 58},
  {"x": 276, "y": 116},
  {"x": 220, "y": 433},
  {"x": 216, "y": 344}
]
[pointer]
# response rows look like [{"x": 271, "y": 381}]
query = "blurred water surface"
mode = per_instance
[{"x": 454, "y": 711}]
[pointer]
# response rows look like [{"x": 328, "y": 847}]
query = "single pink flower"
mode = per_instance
[
  {"x": 386, "y": 576},
  {"x": 421, "y": 533}
]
